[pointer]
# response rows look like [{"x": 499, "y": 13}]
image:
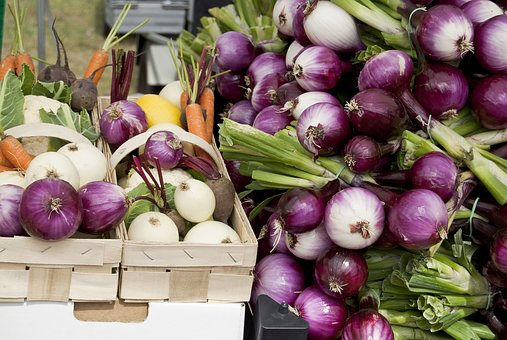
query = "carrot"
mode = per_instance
[
  {"x": 207, "y": 102},
  {"x": 100, "y": 57},
  {"x": 97, "y": 63},
  {"x": 15, "y": 152},
  {"x": 23, "y": 58},
  {"x": 196, "y": 125},
  {"x": 6, "y": 168},
  {"x": 7, "y": 64},
  {"x": 184, "y": 99},
  {"x": 4, "y": 161}
]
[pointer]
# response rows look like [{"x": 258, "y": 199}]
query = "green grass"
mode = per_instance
[{"x": 80, "y": 25}]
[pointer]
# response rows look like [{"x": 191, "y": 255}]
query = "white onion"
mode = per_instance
[
  {"x": 172, "y": 92},
  {"x": 212, "y": 232},
  {"x": 52, "y": 164},
  {"x": 194, "y": 200},
  {"x": 153, "y": 226},
  {"x": 90, "y": 162},
  {"x": 13, "y": 177}
]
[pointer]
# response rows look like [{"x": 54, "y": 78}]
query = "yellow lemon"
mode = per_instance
[{"x": 159, "y": 110}]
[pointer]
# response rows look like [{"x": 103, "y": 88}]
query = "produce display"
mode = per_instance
[{"x": 367, "y": 142}]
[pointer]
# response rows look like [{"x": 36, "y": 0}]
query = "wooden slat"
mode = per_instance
[
  {"x": 188, "y": 285},
  {"x": 49, "y": 284},
  {"x": 93, "y": 287},
  {"x": 229, "y": 287},
  {"x": 14, "y": 283}
]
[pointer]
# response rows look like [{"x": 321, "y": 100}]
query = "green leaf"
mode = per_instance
[
  {"x": 56, "y": 90},
  {"x": 85, "y": 126},
  {"x": 64, "y": 116},
  {"x": 27, "y": 78},
  {"x": 11, "y": 102}
]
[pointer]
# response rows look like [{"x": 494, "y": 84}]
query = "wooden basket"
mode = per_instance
[
  {"x": 186, "y": 272},
  {"x": 80, "y": 268}
]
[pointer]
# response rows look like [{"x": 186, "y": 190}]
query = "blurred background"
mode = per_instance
[{"x": 83, "y": 27}]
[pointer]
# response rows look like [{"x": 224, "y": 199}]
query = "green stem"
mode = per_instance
[
  {"x": 410, "y": 333},
  {"x": 490, "y": 137}
]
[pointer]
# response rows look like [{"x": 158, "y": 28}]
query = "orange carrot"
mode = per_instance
[
  {"x": 97, "y": 63},
  {"x": 207, "y": 102},
  {"x": 4, "y": 161},
  {"x": 23, "y": 58},
  {"x": 184, "y": 99},
  {"x": 8, "y": 63},
  {"x": 15, "y": 152},
  {"x": 6, "y": 168},
  {"x": 196, "y": 125}
]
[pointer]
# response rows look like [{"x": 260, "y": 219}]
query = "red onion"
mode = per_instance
[
  {"x": 363, "y": 154},
  {"x": 317, "y": 68},
  {"x": 231, "y": 86},
  {"x": 242, "y": 112},
  {"x": 445, "y": 33},
  {"x": 490, "y": 47},
  {"x": 418, "y": 220},
  {"x": 50, "y": 209},
  {"x": 498, "y": 250},
  {"x": 377, "y": 113},
  {"x": 479, "y": 11},
  {"x": 309, "y": 244},
  {"x": 327, "y": 24},
  {"x": 104, "y": 206},
  {"x": 266, "y": 64},
  {"x": 488, "y": 101},
  {"x": 280, "y": 276},
  {"x": 298, "y": 28},
  {"x": 300, "y": 210},
  {"x": 307, "y": 99},
  {"x": 340, "y": 272},
  {"x": 288, "y": 92},
  {"x": 434, "y": 171},
  {"x": 367, "y": 324},
  {"x": 274, "y": 233},
  {"x": 164, "y": 149},
  {"x": 271, "y": 119},
  {"x": 238, "y": 180},
  {"x": 457, "y": 3},
  {"x": 10, "y": 196},
  {"x": 121, "y": 121},
  {"x": 234, "y": 51},
  {"x": 323, "y": 128},
  {"x": 283, "y": 15},
  {"x": 264, "y": 92},
  {"x": 447, "y": 87},
  {"x": 325, "y": 315},
  {"x": 354, "y": 218},
  {"x": 292, "y": 51}
]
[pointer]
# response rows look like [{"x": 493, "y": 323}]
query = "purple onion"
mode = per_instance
[
  {"x": 340, "y": 272},
  {"x": 164, "y": 149},
  {"x": 271, "y": 119},
  {"x": 10, "y": 196},
  {"x": 418, "y": 220},
  {"x": 498, "y": 250},
  {"x": 325, "y": 315},
  {"x": 457, "y": 3},
  {"x": 242, "y": 112},
  {"x": 301, "y": 210},
  {"x": 50, "y": 209},
  {"x": 266, "y": 64},
  {"x": 104, "y": 206},
  {"x": 264, "y": 92},
  {"x": 323, "y": 128},
  {"x": 354, "y": 218},
  {"x": 490, "y": 47},
  {"x": 488, "y": 101},
  {"x": 280, "y": 276},
  {"x": 288, "y": 92},
  {"x": 367, "y": 324},
  {"x": 362, "y": 153},
  {"x": 441, "y": 89},
  {"x": 307, "y": 99},
  {"x": 377, "y": 113},
  {"x": 434, "y": 171},
  {"x": 309, "y": 244},
  {"x": 238, "y": 180},
  {"x": 121, "y": 121},
  {"x": 273, "y": 232},
  {"x": 234, "y": 51},
  {"x": 298, "y": 25},
  {"x": 317, "y": 68},
  {"x": 445, "y": 33},
  {"x": 479, "y": 11},
  {"x": 292, "y": 51},
  {"x": 283, "y": 15},
  {"x": 231, "y": 86}
]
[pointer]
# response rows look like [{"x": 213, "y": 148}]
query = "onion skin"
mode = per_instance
[
  {"x": 418, "y": 220},
  {"x": 435, "y": 171},
  {"x": 325, "y": 315},
  {"x": 479, "y": 11},
  {"x": 354, "y": 218},
  {"x": 488, "y": 101},
  {"x": 498, "y": 250},
  {"x": 309, "y": 244},
  {"x": 104, "y": 205},
  {"x": 121, "y": 121},
  {"x": 280, "y": 276},
  {"x": 164, "y": 147},
  {"x": 234, "y": 51},
  {"x": 266, "y": 64},
  {"x": 242, "y": 112},
  {"x": 10, "y": 196},
  {"x": 490, "y": 47},
  {"x": 231, "y": 86},
  {"x": 367, "y": 324},
  {"x": 271, "y": 119},
  {"x": 301, "y": 210},
  {"x": 340, "y": 272},
  {"x": 377, "y": 113},
  {"x": 50, "y": 209}
]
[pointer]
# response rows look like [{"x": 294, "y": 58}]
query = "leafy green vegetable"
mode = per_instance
[
  {"x": 11, "y": 102},
  {"x": 57, "y": 90},
  {"x": 27, "y": 78}
]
